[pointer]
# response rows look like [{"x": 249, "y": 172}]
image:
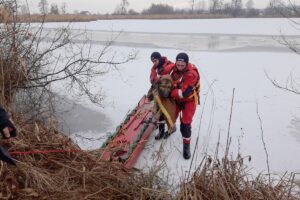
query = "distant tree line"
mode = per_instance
[
  {"x": 233, "y": 8},
  {"x": 53, "y": 9}
]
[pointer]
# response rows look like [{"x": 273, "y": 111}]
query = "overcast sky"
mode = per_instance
[{"x": 108, "y": 6}]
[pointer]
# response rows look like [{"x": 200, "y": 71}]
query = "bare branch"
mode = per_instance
[
  {"x": 33, "y": 58},
  {"x": 274, "y": 82},
  {"x": 264, "y": 143}
]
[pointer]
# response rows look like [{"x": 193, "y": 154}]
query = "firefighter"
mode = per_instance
[
  {"x": 186, "y": 79},
  {"x": 161, "y": 66}
]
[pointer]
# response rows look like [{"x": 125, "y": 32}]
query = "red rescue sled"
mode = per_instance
[{"x": 129, "y": 139}]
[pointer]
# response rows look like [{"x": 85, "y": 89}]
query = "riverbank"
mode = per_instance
[{"x": 94, "y": 17}]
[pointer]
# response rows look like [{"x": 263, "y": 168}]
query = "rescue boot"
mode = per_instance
[
  {"x": 186, "y": 151},
  {"x": 161, "y": 132},
  {"x": 186, "y": 135}
]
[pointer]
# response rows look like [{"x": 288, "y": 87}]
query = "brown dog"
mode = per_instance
[{"x": 164, "y": 104}]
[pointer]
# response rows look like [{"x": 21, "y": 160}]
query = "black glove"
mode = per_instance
[
  {"x": 4, "y": 156},
  {"x": 6, "y": 122}
]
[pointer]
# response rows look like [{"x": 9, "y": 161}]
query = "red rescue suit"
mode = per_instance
[
  {"x": 185, "y": 92},
  {"x": 164, "y": 67}
]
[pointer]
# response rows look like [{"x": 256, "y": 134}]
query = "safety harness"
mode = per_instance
[{"x": 196, "y": 87}]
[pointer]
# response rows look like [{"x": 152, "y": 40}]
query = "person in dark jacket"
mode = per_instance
[
  {"x": 7, "y": 127},
  {"x": 186, "y": 80},
  {"x": 8, "y": 130}
]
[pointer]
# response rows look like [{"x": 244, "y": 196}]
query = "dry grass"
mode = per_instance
[
  {"x": 86, "y": 18},
  {"x": 12, "y": 75},
  {"x": 73, "y": 174},
  {"x": 222, "y": 180},
  {"x": 69, "y": 175},
  {"x": 80, "y": 175},
  {"x": 230, "y": 179},
  {"x": 58, "y": 18}
]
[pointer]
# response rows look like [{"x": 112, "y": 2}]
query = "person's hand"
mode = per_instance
[
  {"x": 9, "y": 130},
  {"x": 6, "y": 132}
]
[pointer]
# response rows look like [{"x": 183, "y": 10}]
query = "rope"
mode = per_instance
[
  {"x": 164, "y": 111},
  {"x": 135, "y": 143},
  {"x": 111, "y": 137}
]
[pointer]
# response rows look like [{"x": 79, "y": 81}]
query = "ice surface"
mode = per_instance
[{"x": 221, "y": 71}]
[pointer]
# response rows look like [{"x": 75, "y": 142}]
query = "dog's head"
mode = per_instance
[{"x": 165, "y": 85}]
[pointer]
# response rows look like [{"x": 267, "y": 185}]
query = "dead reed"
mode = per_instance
[
  {"x": 226, "y": 179},
  {"x": 74, "y": 174},
  {"x": 87, "y": 18},
  {"x": 231, "y": 179}
]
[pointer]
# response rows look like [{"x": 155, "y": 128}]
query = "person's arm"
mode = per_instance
[
  {"x": 190, "y": 80},
  {"x": 7, "y": 127},
  {"x": 153, "y": 75},
  {"x": 168, "y": 68}
]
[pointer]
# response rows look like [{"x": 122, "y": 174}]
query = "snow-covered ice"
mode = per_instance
[
  {"x": 221, "y": 71},
  {"x": 263, "y": 26}
]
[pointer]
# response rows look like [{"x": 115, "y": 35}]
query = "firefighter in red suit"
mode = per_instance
[
  {"x": 161, "y": 66},
  {"x": 186, "y": 93}
]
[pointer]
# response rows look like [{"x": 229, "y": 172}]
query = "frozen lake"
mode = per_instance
[
  {"x": 190, "y": 35},
  {"x": 231, "y": 53},
  {"x": 187, "y": 41}
]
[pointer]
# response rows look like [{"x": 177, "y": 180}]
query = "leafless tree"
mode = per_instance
[
  {"x": 43, "y": 5},
  {"x": 32, "y": 60},
  {"x": 227, "y": 8},
  {"x": 192, "y": 2},
  {"x": 132, "y": 12},
  {"x": 213, "y": 5},
  {"x": 288, "y": 8},
  {"x": 201, "y": 6},
  {"x": 54, "y": 9},
  {"x": 250, "y": 10},
  {"x": 285, "y": 8},
  {"x": 236, "y": 7},
  {"x": 63, "y": 8},
  {"x": 159, "y": 9},
  {"x": 24, "y": 9},
  {"x": 216, "y": 5},
  {"x": 121, "y": 9},
  {"x": 250, "y": 4}
]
